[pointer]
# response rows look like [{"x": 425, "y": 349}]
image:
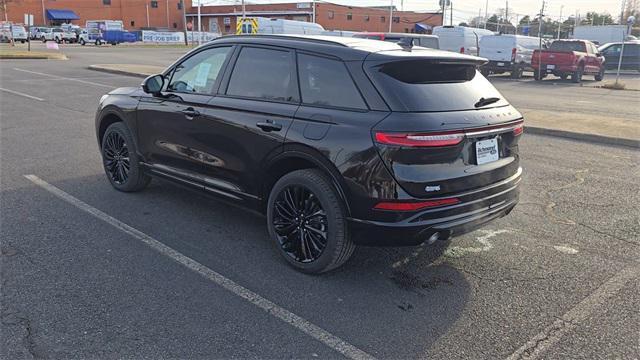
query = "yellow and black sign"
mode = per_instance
[{"x": 247, "y": 26}]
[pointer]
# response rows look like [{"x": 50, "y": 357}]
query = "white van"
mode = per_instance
[
  {"x": 460, "y": 39},
  {"x": 282, "y": 26},
  {"x": 508, "y": 53}
]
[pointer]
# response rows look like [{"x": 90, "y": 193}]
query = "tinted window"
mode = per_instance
[
  {"x": 262, "y": 73},
  {"x": 198, "y": 73},
  {"x": 327, "y": 82},
  {"x": 423, "y": 85},
  {"x": 568, "y": 46},
  {"x": 429, "y": 43},
  {"x": 632, "y": 49}
]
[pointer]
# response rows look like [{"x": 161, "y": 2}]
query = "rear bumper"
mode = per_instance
[
  {"x": 498, "y": 66},
  {"x": 556, "y": 68},
  {"x": 477, "y": 208}
]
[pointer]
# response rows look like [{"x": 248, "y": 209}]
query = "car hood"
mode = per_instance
[{"x": 130, "y": 90}]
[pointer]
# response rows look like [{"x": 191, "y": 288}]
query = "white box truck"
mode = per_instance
[{"x": 602, "y": 34}]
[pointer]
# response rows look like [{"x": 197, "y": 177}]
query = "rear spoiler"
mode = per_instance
[{"x": 433, "y": 56}]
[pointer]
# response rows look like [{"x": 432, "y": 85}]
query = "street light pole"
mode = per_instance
[
  {"x": 184, "y": 23},
  {"x": 199, "y": 24},
  {"x": 486, "y": 13},
  {"x": 390, "y": 15},
  {"x": 560, "y": 20}
]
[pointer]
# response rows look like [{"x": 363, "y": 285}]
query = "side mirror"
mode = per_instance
[
  {"x": 153, "y": 84},
  {"x": 599, "y": 54}
]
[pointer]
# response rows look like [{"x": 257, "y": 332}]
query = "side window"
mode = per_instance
[
  {"x": 198, "y": 73},
  {"x": 263, "y": 74},
  {"x": 327, "y": 82}
]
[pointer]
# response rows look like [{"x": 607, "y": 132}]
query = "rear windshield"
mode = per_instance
[
  {"x": 368, "y": 36},
  {"x": 568, "y": 46},
  {"x": 428, "y": 86}
]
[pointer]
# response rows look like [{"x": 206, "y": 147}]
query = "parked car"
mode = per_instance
[
  {"x": 566, "y": 58},
  {"x": 630, "y": 57},
  {"x": 403, "y": 39},
  {"x": 5, "y": 31},
  {"x": 60, "y": 35},
  {"x": 340, "y": 141},
  {"x": 19, "y": 33},
  {"x": 45, "y": 34},
  {"x": 33, "y": 32},
  {"x": 507, "y": 53},
  {"x": 460, "y": 39}
]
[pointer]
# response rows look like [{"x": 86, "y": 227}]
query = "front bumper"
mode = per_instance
[{"x": 476, "y": 208}]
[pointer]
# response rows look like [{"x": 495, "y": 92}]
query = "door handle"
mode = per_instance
[
  {"x": 269, "y": 126},
  {"x": 190, "y": 113}
]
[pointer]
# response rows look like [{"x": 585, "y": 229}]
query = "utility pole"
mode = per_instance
[
  {"x": 486, "y": 13},
  {"x": 244, "y": 10},
  {"x": 44, "y": 16},
  {"x": 313, "y": 12},
  {"x": 147, "y": 7},
  {"x": 443, "y": 3},
  {"x": 451, "y": 13},
  {"x": 540, "y": 39},
  {"x": 479, "y": 18},
  {"x": 506, "y": 14},
  {"x": 184, "y": 23},
  {"x": 390, "y": 15},
  {"x": 560, "y": 20},
  {"x": 199, "y": 24},
  {"x": 168, "y": 15}
]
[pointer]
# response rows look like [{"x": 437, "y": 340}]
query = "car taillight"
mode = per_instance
[
  {"x": 518, "y": 130},
  {"x": 462, "y": 50},
  {"x": 513, "y": 54},
  {"x": 414, "y": 206},
  {"x": 420, "y": 140}
]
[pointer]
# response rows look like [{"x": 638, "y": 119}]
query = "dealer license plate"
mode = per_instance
[
  {"x": 500, "y": 64},
  {"x": 551, "y": 67},
  {"x": 487, "y": 151}
]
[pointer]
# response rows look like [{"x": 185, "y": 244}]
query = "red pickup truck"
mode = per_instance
[{"x": 568, "y": 58}]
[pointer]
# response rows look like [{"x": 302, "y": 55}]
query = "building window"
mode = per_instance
[
  {"x": 175, "y": 25},
  {"x": 180, "y": 5},
  {"x": 349, "y": 16},
  {"x": 396, "y": 19},
  {"x": 382, "y": 19},
  {"x": 331, "y": 14},
  {"x": 133, "y": 23},
  {"x": 366, "y": 18},
  {"x": 106, "y": 2},
  {"x": 154, "y": 4}
]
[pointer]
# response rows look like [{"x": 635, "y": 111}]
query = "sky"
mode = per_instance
[{"x": 467, "y": 9}]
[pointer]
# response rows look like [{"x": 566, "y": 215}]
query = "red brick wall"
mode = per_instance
[
  {"x": 407, "y": 19},
  {"x": 125, "y": 10}
]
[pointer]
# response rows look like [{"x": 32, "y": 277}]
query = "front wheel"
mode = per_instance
[
  {"x": 307, "y": 222},
  {"x": 517, "y": 71},
  {"x": 82, "y": 42},
  {"x": 120, "y": 159},
  {"x": 98, "y": 42},
  {"x": 600, "y": 75},
  {"x": 576, "y": 77}
]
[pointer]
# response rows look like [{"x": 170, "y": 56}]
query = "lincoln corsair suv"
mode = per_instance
[{"x": 339, "y": 141}]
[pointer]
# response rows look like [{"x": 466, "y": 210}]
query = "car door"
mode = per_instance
[
  {"x": 248, "y": 120},
  {"x": 593, "y": 60},
  {"x": 631, "y": 57},
  {"x": 170, "y": 124}
]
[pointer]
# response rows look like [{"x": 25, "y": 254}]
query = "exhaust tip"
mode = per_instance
[{"x": 433, "y": 238}]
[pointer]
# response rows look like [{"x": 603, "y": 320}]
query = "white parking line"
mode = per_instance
[
  {"x": 65, "y": 78},
  {"x": 271, "y": 308},
  {"x": 534, "y": 348},
  {"x": 21, "y": 94}
]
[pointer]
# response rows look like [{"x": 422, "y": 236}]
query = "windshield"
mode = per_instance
[
  {"x": 427, "y": 86},
  {"x": 568, "y": 46}
]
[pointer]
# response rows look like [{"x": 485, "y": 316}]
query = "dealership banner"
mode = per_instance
[{"x": 173, "y": 37}]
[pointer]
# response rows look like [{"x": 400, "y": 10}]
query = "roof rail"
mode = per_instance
[{"x": 301, "y": 37}]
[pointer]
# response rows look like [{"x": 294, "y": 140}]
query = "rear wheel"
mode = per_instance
[
  {"x": 82, "y": 42},
  {"x": 517, "y": 71},
  {"x": 600, "y": 75},
  {"x": 537, "y": 76},
  {"x": 307, "y": 222},
  {"x": 120, "y": 159},
  {"x": 576, "y": 77},
  {"x": 98, "y": 42},
  {"x": 563, "y": 76}
]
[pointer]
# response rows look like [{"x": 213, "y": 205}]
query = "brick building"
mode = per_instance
[
  {"x": 330, "y": 16},
  {"x": 135, "y": 14}
]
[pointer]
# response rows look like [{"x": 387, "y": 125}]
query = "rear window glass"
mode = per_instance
[
  {"x": 428, "y": 86},
  {"x": 568, "y": 46},
  {"x": 365, "y": 36}
]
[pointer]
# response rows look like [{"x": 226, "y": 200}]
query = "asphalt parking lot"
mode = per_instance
[{"x": 88, "y": 272}]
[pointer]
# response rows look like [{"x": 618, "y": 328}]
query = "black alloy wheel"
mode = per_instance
[
  {"x": 300, "y": 223},
  {"x": 116, "y": 158},
  {"x": 121, "y": 161}
]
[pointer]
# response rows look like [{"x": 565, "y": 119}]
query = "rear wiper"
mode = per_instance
[{"x": 484, "y": 102}]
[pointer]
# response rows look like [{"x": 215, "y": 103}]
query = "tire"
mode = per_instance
[
  {"x": 302, "y": 244},
  {"x": 119, "y": 150},
  {"x": 44, "y": 40},
  {"x": 98, "y": 42},
  {"x": 516, "y": 73},
  {"x": 563, "y": 76},
  {"x": 537, "y": 76},
  {"x": 82, "y": 42},
  {"x": 600, "y": 75},
  {"x": 58, "y": 41},
  {"x": 576, "y": 77}
]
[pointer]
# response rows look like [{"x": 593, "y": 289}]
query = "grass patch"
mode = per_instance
[
  {"x": 23, "y": 54},
  {"x": 614, "y": 86}
]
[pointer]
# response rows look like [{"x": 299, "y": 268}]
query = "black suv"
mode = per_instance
[{"x": 340, "y": 141}]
